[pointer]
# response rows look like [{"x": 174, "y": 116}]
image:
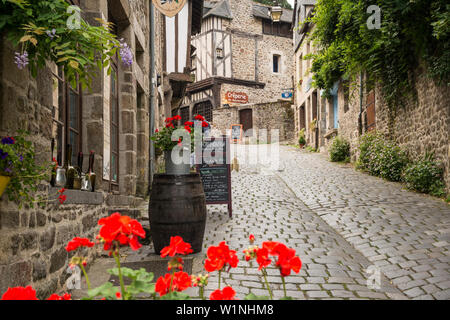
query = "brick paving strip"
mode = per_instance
[{"x": 405, "y": 234}]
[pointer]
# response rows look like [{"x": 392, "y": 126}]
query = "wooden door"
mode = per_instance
[
  {"x": 246, "y": 119},
  {"x": 370, "y": 111},
  {"x": 302, "y": 117}
]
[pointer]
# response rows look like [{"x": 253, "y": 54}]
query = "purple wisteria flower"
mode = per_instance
[
  {"x": 21, "y": 60},
  {"x": 8, "y": 140},
  {"x": 51, "y": 33},
  {"x": 3, "y": 154},
  {"x": 125, "y": 53}
]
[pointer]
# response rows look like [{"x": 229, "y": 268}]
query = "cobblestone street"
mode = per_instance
[
  {"x": 340, "y": 221},
  {"x": 345, "y": 226}
]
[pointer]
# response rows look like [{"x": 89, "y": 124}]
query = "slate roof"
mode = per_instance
[
  {"x": 264, "y": 13},
  {"x": 219, "y": 9}
]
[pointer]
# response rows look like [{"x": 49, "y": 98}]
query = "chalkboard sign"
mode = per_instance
[
  {"x": 215, "y": 171},
  {"x": 236, "y": 132}
]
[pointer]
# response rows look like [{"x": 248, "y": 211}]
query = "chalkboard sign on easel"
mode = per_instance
[
  {"x": 215, "y": 171},
  {"x": 236, "y": 132}
]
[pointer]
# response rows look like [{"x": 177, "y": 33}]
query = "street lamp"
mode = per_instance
[{"x": 275, "y": 12}]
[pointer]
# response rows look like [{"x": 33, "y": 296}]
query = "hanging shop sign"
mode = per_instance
[
  {"x": 287, "y": 94},
  {"x": 169, "y": 8},
  {"x": 215, "y": 171},
  {"x": 236, "y": 97}
]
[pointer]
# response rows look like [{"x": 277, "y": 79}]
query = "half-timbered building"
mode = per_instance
[{"x": 240, "y": 59}]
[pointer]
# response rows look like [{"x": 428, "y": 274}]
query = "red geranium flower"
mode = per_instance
[
  {"x": 169, "y": 120},
  {"x": 65, "y": 296},
  {"x": 251, "y": 238},
  {"x": 226, "y": 294},
  {"x": 180, "y": 282},
  {"x": 176, "y": 246},
  {"x": 176, "y": 118},
  {"x": 262, "y": 257},
  {"x": 62, "y": 198},
  {"x": 205, "y": 124},
  {"x": 189, "y": 123},
  {"x": 188, "y": 129},
  {"x": 199, "y": 117},
  {"x": 220, "y": 256},
  {"x": 156, "y": 131},
  {"x": 77, "y": 242},
  {"x": 170, "y": 125},
  {"x": 20, "y": 293},
  {"x": 288, "y": 261},
  {"x": 122, "y": 229}
]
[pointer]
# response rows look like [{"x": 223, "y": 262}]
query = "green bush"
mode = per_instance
[
  {"x": 381, "y": 157},
  {"x": 425, "y": 175},
  {"x": 339, "y": 150},
  {"x": 301, "y": 137}
]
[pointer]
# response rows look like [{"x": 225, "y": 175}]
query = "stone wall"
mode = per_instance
[
  {"x": 32, "y": 241},
  {"x": 266, "y": 116},
  {"x": 420, "y": 124}
]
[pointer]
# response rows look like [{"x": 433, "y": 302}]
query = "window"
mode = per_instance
[
  {"x": 204, "y": 109},
  {"x": 279, "y": 29},
  {"x": 66, "y": 116},
  {"x": 276, "y": 63},
  {"x": 184, "y": 113}
]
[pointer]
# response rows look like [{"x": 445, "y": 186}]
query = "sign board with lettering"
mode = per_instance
[
  {"x": 236, "y": 97},
  {"x": 215, "y": 171},
  {"x": 169, "y": 8},
  {"x": 236, "y": 132}
]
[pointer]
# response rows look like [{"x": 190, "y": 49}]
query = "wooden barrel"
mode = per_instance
[{"x": 177, "y": 208}]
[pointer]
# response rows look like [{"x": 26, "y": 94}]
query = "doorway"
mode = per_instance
[{"x": 246, "y": 119}]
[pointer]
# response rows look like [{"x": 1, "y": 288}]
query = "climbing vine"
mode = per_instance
[
  {"x": 44, "y": 30},
  {"x": 411, "y": 33}
]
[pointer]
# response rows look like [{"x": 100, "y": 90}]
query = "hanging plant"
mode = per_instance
[
  {"x": 19, "y": 168},
  {"x": 51, "y": 31}
]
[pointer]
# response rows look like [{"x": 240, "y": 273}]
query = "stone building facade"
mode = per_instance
[
  {"x": 420, "y": 124},
  {"x": 111, "y": 119},
  {"x": 241, "y": 61}
]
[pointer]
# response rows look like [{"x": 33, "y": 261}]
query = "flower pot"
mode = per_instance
[
  {"x": 4, "y": 180},
  {"x": 177, "y": 208},
  {"x": 175, "y": 168}
]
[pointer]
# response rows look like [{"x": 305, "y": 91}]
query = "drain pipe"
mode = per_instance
[{"x": 152, "y": 76}]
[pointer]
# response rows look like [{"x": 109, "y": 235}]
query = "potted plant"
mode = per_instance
[
  {"x": 301, "y": 138},
  {"x": 19, "y": 174},
  {"x": 165, "y": 144}
]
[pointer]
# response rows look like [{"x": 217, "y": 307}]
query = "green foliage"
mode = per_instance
[
  {"x": 282, "y": 3},
  {"x": 25, "y": 174},
  {"x": 141, "y": 282},
  {"x": 411, "y": 32},
  {"x": 339, "y": 150},
  {"x": 425, "y": 175},
  {"x": 311, "y": 149},
  {"x": 252, "y": 296},
  {"x": 301, "y": 137},
  {"x": 79, "y": 51},
  {"x": 381, "y": 157}
]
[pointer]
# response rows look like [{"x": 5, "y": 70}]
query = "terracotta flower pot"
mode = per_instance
[{"x": 4, "y": 180}]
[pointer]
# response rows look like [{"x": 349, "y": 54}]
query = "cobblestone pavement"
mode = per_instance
[
  {"x": 341, "y": 222},
  {"x": 405, "y": 234},
  {"x": 264, "y": 205}
]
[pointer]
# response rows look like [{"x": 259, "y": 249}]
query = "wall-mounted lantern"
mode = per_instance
[{"x": 275, "y": 13}]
